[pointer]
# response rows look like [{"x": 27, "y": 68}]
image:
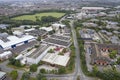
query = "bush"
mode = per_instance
[
  {"x": 26, "y": 76},
  {"x": 14, "y": 74},
  {"x": 15, "y": 62},
  {"x": 61, "y": 70},
  {"x": 42, "y": 71},
  {"x": 33, "y": 68}
]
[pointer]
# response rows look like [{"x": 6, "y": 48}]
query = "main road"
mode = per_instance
[{"x": 78, "y": 70}]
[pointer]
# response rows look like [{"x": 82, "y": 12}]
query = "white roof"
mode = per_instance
[
  {"x": 56, "y": 59},
  {"x": 47, "y": 28},
  {"x": 17, "y": 33},
  {"x": 15, "y": 40},
  {"x": 5, "y": 54},
  {"x": 2, "y": 74},
  {"x": 19, "y": 56},
  {"x": 95, "y": 8},
  {"x": 58, "y": 25},
  {"x": 27, "y": 30}
]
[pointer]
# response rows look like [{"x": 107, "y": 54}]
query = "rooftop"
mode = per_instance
[
  {"x": 56, "y": 59},
  {"x": 96, "y": 8},
  {"x": 13, "y": 40},
  {"x": 2, "y": 74}
]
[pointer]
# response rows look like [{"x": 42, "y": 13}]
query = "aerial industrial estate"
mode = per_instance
[{"x": 59, "y": 42}]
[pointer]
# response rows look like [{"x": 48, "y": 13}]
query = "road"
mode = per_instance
[
  {"x": 78, "y": 70},
  {"x": 7, "y": 69}
]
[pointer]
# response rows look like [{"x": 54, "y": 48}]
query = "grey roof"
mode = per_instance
[
  {"x": 3, "y": 26},
  {"x": 37, "y": 32}
]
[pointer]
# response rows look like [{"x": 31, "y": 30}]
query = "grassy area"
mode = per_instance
[
  {"x": 33, "y": 17},
  {"x": 70, "y": 68}
]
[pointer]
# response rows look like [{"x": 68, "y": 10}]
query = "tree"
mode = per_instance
[
  {"x": 48, "y": 19},
  {"x": 41, "y": 77},
  {"x": 42, "y": 71},
  {"x": 78, "y": 77},
  {"x": 39, "y": 39},
  {"x": 15, "y": 62},
  {"x": 95, "y": 70},
  {"x": 26, "y": 76},
  {"x": 61, "y": 70},
  {"x": 14, "y": 74},
  {"x": 113, "y": 54},
  {"x": 64, "y": 50},
  {"x": 51, "y": 51},
  {"x": 118, "y": 60},
  {"x": 33, "y": 68}
]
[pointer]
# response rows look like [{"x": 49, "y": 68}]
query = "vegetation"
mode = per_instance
[
  {"x": 64, "y": 50},
  {"x": 42, "y": 71},
  {"x": 118, "y": 61},
  {"x": 113, "y": 54},
  {"x": 39, "y": 38},
  {"x": 41, "y": 77},
  {"x": 61, "y": 70},
  {"x": 51, "y": 51},
  {"x": 14, "y": 74},
  {"x": 33, "y": 68},
  {"x": 38, "y": 16},
  {"x": 78, "y": 77},
  {"x": 107, "y": 74},
  {"x": 61, "y": 53},
  {"x": 36, "y": 46},
  {"x": 15, "y": 62},
  {"x": 26, "y": 76},
  {"x": 66, "y": 22},
  {"x": 71, "y": 65}
]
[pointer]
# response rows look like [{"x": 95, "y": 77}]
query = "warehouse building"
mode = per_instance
[
  {"x": 14, "y": 41},
  {"x": 56, "y": 60},
  {"x": 58, "y": 40},
  {"x": 5, "y": 55},
  {"x": 92, "y": 9}
]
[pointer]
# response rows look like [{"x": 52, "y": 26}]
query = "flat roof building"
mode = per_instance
[
  {"x": 13, "y": 41},
  {"x": 55, "y": 59},
  {"x": 93, "y": 8},
  {"x": 5, "y": 55},
  {"x": 2, "y": 75}
]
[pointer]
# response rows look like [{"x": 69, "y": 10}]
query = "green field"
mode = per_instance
[{"x": 33, "y": 17}]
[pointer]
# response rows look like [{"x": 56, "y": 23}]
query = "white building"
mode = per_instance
[
  {"x": 55, "y": 59},
  {"x": 13, "y": 41},
  {"x": 34, "y": 56},
  {"x": 5, "y": 55},
  {"x": 56, "y": 26},
  {"x": 48, "y": 29},
  {"x": 92, "y": 9}
]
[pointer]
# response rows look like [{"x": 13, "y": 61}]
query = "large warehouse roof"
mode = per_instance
[
  {"x": 13, "y": 40},
  {"x": 56, "y": 59},
  {"x": 93, "y": 8}
]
